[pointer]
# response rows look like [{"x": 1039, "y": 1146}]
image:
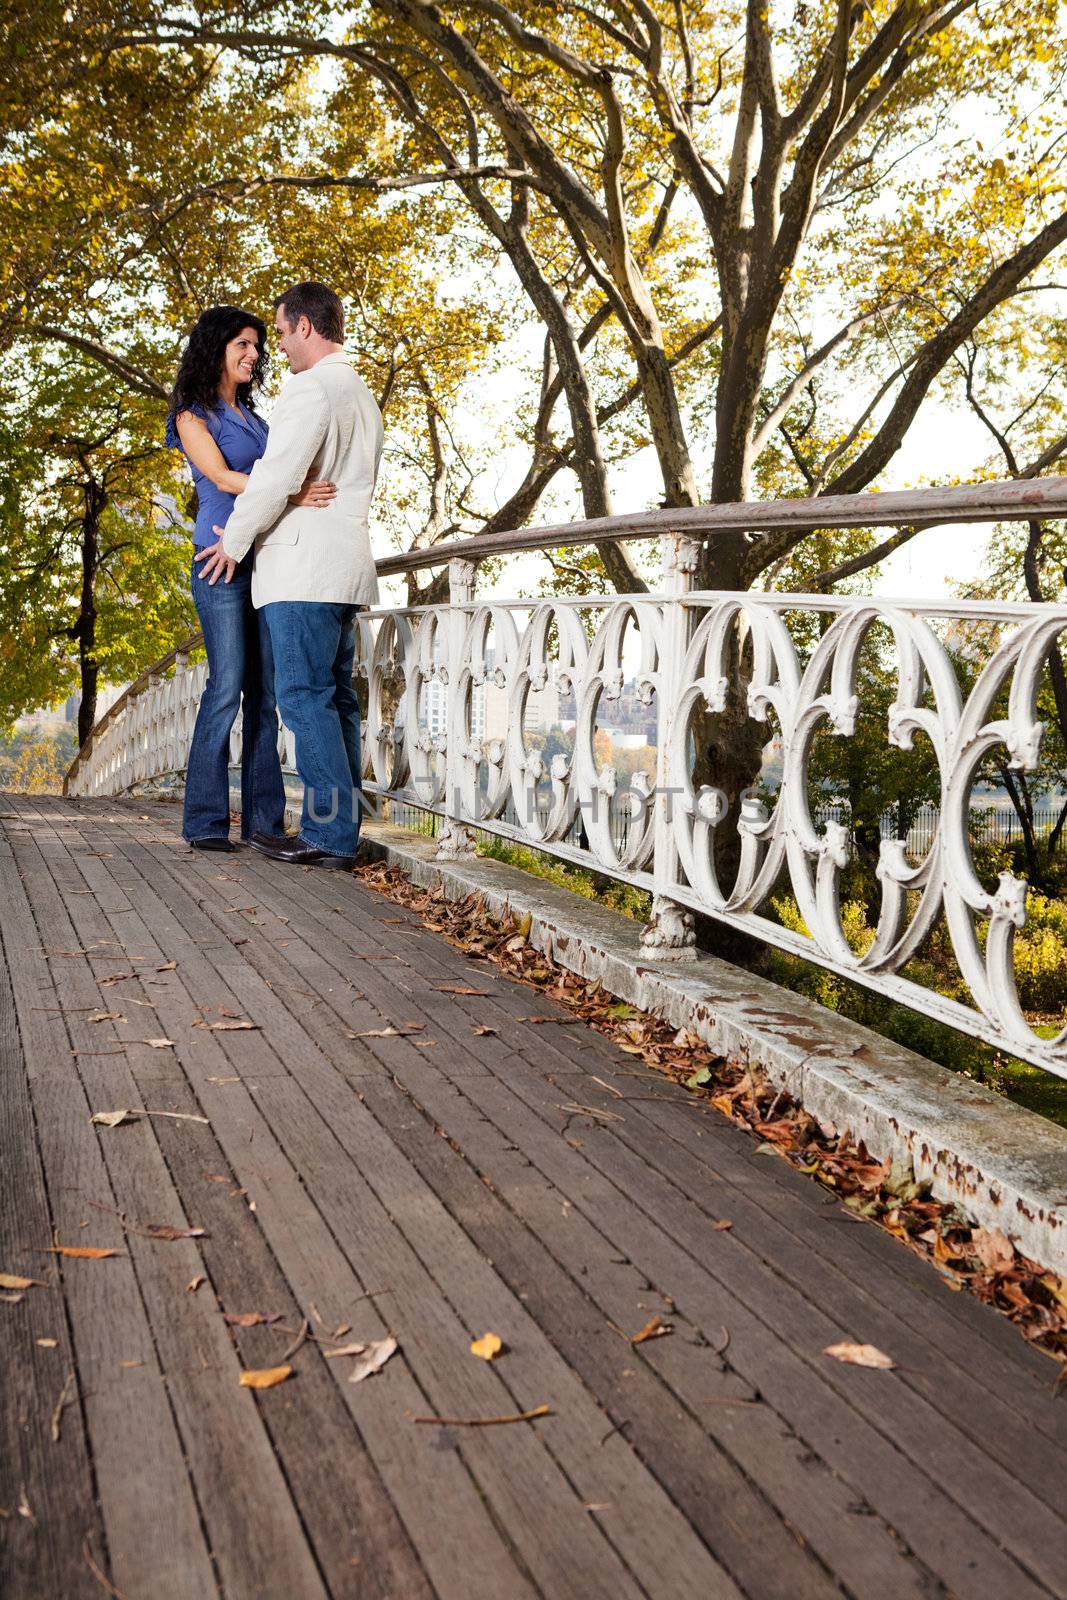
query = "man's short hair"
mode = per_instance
[{"x": 319, "y": 304}]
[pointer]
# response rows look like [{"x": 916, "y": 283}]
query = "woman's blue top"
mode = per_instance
[{"x": 242, "y": 440}]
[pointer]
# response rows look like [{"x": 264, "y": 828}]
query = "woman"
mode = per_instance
[{"x": 213, "y": 421}]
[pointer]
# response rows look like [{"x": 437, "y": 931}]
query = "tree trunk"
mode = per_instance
[{"x": 84, "y": 629}]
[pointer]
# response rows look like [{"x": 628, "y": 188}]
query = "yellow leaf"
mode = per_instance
[
  {"x": 860, "y": 1355},
  {"x": 9, "y": 1280},
  {"x": 488, "y": 1346},
  {"x": 82, "y": 1252},
  {"x": 265, "y": 1377}
]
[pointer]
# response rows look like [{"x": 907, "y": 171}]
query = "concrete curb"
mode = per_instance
[{"x": 1004, "y": 1165}]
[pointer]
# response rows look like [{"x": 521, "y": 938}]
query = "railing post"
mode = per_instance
[
  {"x": 456, "y": 839},
  {"x": 669, "y": 934}
]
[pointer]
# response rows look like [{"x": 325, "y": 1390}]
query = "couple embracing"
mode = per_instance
[{"x": 281, "y": 567}]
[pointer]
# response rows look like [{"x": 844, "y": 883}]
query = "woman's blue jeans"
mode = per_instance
[{"x": 240, "y": 679}]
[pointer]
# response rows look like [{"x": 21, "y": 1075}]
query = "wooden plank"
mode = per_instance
[
  {"x": 136, "y": 1450},
  {"x": 441, "y": 1503},
  {"x": 968, "y": 1532},
  {"x": 980, "y": 1387},
  {"x": 671, "y": 1538},
  {"x": 754, "y": 1491},
  {"x": 353, "y": 1527},
  {"x": 233, "y": 1467},
  {"x": 885, "y": 1274},
  {"x": 41, "y": 1553},
  {"x": 722, "y": 1285}
]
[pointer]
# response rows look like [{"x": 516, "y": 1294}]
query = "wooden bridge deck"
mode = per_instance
[{"x": 418, "y": 1185}]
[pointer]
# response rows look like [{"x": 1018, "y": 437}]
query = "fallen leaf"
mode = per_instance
[
  {"x": 47, "y": 1344},
  {"x": 194, "y": 1283},
  {"x": 265, "y": 1377},
  {"x": 486, "y": 1422},
  {"x": 721, "y": 1227},
  {"x": 655, "y": 1328},
  {"x": 107, "y": 1016},
  {"x": 131, "y": 1364},
  {"x": 157, "y": 1044},
  {"x": 10, "y": 1280},
  {"x": 10, "y": 1299},
  {"x": 250, "y": 1319},
  {"x": 699, "y": 1078},
  {"x": 112, "y": 1119},
  {"x": 488, "y": 1346},
  {"x": 164, "y": 1230},
  {"x": 168, "y": 966},
  {"x": 461, "y": 988},
  {"x": 223, "y": 1027},
  {"x": 373, "y": 1359},
  {"x": 481, "y": 1028},
  {"x": 82, "y": 1252},
  {"x": 993, "y": 1248},
  {"x": 355, "y": 1349},
  {"x": 860, "y": 1355}
]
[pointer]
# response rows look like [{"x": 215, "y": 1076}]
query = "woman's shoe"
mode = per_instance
[{"x": 225, "y": 845}]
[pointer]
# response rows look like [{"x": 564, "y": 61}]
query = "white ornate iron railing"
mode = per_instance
[{"x": 453, "y": 693}]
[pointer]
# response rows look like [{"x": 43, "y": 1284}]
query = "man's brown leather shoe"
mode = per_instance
[{"x": 297, "y": 852}]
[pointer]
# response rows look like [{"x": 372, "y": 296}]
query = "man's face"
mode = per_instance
[{"x": 292, "y": 342}]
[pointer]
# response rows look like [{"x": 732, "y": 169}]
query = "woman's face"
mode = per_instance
[{"x": 241, "y": 355}]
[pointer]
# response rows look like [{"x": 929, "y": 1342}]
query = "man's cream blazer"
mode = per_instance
[{"x": 326, "y": 421}]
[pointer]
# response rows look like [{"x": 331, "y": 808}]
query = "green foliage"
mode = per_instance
[
  {"x": 93, "y": 571},
  {"x": 590, "y": 885},
  {"x": 33, "y": 762}
]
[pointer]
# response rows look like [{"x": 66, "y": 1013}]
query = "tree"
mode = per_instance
[{"x": 93, "y": 571}]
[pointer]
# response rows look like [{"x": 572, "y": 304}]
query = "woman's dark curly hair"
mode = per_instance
[{"x": 198, "y": 377}]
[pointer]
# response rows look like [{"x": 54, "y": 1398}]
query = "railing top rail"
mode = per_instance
[{"x": 984, "y": 502}]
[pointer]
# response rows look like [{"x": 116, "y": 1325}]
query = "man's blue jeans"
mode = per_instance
[
  {"x": 240, "y": 674},
  {"x": 314, "y": 645}
]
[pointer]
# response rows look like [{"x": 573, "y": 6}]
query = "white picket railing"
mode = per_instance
[{"x": 450, "y": 689}]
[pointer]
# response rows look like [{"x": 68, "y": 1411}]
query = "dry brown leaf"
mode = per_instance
[
  {"x": 47, "y": 1344},
  {"x": 721, "y": 1227},
  {"x": 224, "y": 1027},
  {"x": 194, "y": 1283},
  {"x": 860, "y": 1355},
  {"x": 168, "y": 966},
  {"x": 112, "y": 1119},
  {"x": 373, "y": 1358},
  {"x": 560, "y": 1021},
  {"x": 250, "y": 1319},
  {"x": 461, "y": 988},
  {"x": 993, "y": 1248},
  {"x": 164, "y": 1230},
  {"x": 10, "y": 1299},
  {"x": 654, "y": 1328},
  {"x": 481, "y": 1028},
  {"x": 82, "y": 1252},
  {"x": 488, "y": 1346},
  {"x": 11, "y": 1280},
  {"x": 355, "y": 1349},
  {"x": 107, "y": 1016},
  {"x": 157, "y": 1044},
  {"x": 265, "y": 1377}
]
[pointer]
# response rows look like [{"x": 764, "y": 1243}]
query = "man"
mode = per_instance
[{"x": 313, "y": 566}]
